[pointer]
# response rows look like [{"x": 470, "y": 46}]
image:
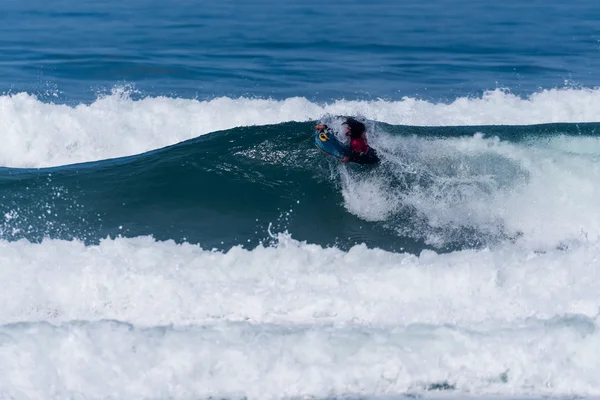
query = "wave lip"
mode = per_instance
[{"x": 38, "y": 134}]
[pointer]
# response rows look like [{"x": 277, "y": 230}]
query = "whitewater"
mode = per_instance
[
  {"x": 137, "y": 317},
  {"x": 42, "y": 134}
]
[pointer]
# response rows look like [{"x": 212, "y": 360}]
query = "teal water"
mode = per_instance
[{"x": 227, "y": 188}]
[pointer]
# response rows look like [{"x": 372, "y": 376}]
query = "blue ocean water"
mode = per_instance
[
  {"x": 168, "y": 229},
  {"x": 347, "y": 49}
]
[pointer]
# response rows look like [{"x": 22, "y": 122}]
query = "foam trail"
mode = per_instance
[
  {"x": 541, "y": 192},
  {"x": 37, "y": 134},
  {"x": 150, "y": 283}
]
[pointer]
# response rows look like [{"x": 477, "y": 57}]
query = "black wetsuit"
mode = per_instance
[{"x": 370, "y": 157}]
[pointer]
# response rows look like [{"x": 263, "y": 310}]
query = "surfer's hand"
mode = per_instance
[
  {"x": 320, "y": 127},
  {"x": 346, "y": 158}
]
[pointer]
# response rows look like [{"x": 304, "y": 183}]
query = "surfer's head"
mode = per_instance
[{"x": 354, "y": 128}]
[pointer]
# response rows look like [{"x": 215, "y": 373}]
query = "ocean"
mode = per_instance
[{"x": 168, "y": 229}]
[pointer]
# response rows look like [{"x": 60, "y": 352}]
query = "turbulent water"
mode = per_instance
[{"x": 169, "y": 230}]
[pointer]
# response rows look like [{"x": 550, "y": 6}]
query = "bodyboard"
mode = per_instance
[{"x": 328, "y": 144}]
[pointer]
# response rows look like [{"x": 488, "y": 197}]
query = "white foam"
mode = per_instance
[
  {"x": 38, "y": 134},
  {"x": 293, "y": 320},
  {"x": 242, "y": 360},
  {"x": 543, "y": 192},
  {"x": 157, "y": 283}
]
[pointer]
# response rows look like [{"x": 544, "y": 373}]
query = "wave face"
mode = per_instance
[
  {"x": 175, "y": 248},
  {"x": 442, "y": 188}
]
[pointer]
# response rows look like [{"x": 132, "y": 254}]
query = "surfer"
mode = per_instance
[{"x": 360, "y": 151}]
